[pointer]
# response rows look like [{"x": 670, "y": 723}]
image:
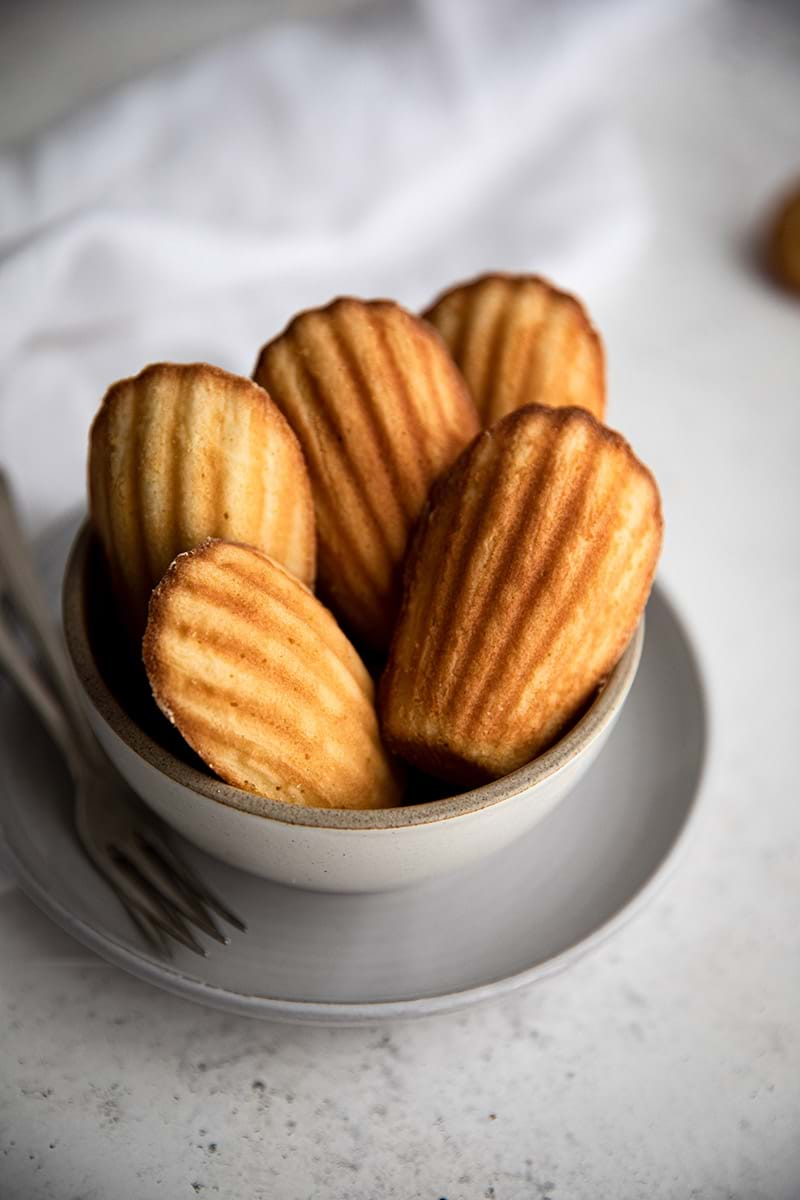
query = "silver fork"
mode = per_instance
[{"x": 125, "y": 841}]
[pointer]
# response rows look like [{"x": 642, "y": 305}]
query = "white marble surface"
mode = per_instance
[{"x": 668, "y": 1064}]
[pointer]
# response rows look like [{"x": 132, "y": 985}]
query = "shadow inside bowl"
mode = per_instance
[{"x": 119, "y": 666}]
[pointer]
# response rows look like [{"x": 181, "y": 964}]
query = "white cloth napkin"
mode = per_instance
[{"x": 386, "y": 151}]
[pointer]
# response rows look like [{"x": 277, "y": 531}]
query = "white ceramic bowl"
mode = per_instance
[{"x": 334, "y": 850}]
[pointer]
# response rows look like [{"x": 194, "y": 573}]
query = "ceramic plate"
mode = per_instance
[{"x": 526, "y": 912}]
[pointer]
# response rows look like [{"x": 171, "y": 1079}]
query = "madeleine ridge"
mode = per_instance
[
  {"x": 380, "y": 411},
  {"x": 518, "y": 340},
  {"x": 261, "y": 682},
  {"x": 527, "y": 576},
  {"x": 182, "y": 452}
]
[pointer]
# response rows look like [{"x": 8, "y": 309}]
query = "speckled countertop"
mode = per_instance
[{"x": 668, "y": 1063}]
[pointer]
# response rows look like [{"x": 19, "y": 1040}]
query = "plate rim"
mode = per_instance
[{"x": 348, "y": 1012}]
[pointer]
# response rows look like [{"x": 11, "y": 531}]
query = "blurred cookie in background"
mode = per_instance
[{"x": 783, "y": 240}]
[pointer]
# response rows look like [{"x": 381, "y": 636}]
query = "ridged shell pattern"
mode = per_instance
[
  {"x": 262, "y": 683},
  {"x": 527, "y": 576},
  {"x": 380, "y": 411},
  {"x": 519, "y": 340},
  {"x": 183, "y": 452}
]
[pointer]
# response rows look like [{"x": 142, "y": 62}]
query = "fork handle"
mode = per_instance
[
  {"x": 18, "y": 573},
  {"x": 41, "y": 699}
]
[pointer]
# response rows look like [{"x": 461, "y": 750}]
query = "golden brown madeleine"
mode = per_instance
[
  {"x": 518, "y": 340},
  {"x": 380, "y": 411},
  {"x": 179, "y": 453},
  {"x": 260, "y": 680},
  {"x": 527, "y": 576}
]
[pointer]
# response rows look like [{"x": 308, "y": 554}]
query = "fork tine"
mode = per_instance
[
  {"x": 147, "y": 859},
  {"x": 140, "y": 894},
  {"x": 195, "y": 885},
  {"x": 151, "y": 933}
]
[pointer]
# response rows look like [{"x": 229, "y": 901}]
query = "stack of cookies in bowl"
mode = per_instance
[{"x": 393, "y": 581}]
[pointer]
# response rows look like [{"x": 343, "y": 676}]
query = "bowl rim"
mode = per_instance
[{"x": 576, "y": 742}]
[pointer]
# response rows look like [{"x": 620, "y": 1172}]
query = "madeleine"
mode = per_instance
[
  {"x": 261, "y": 682},
  {"x": 518, "y": 340},
  {"x": 180, "y": 453},
  {"x": 527, "y": 576},
  {"x": 380, "y": 411}
]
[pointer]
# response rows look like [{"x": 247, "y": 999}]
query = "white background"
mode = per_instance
[{"x": 666, "y": 1065}]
